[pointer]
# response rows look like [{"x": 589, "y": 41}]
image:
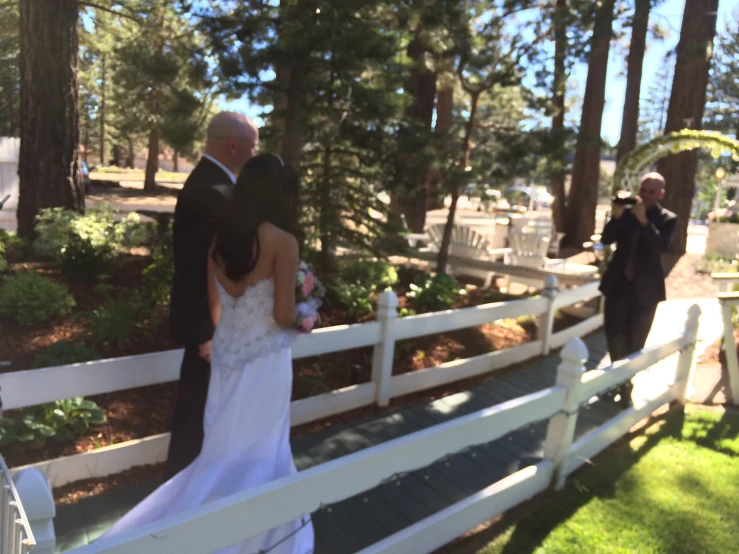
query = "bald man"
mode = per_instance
[
  {"x": 231, "y": 141},
  {"x": 634, "y": 281}
]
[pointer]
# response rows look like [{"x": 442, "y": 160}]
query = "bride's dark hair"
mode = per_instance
[{"x": 266, "y": 190}]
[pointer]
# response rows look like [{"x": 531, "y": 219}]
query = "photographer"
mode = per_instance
[{"x": 634, "y": 281}]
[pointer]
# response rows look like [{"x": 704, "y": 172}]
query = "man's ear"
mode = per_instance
[{"x": 661, "y": 193}]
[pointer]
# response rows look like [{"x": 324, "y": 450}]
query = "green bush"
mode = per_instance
[
  {"x": 717, "y": 263},
  {"x": 369, "y": 272},
  {"x": 10, "y": 245},
  {"x": 63, "y": 420},
  {"x": 355, "y": 297},
  {"x": 30, "y": 298},
  {"x": 63, "y": 353},
  {"x": 408, "y": 275},
  {"x": 434, "y": 293},
  {"x": 157, "y": 277},
  {"x": 114, "y": 322},
  {"x": 56, "y": 227},
  {"x": 81, "y": 261}
]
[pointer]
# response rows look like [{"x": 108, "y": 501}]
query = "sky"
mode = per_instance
[{"x": 668, "y": 15}]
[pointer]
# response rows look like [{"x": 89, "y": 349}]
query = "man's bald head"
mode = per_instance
[
  {"x": 652, "y": 189},
  {"x": 232, "y": 139},
  {"x": 654, "y": 176}
]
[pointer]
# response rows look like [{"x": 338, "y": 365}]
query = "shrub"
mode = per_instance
[
  {"x": 355, "y": 297},
  {"x": 83, "y": 244},
  {"x": 82, "y": 261},
  {"x": 10, "y": 245},
  {"x": 157, "y": 276},
  {"x": 63, "y": 420},
  {"x": 369, "y": 272},
  {"x": 408, "y": 275},
  {"x": 115, "y": 321},
  {"x": 434, "y": 293},
  {"x": 30, "y": 298},
  {"x": 717, "y": 263},
  {"x": 63, "y": 353}
]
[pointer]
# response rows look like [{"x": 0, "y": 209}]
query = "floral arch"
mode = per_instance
[{"x": 636, "y": 162}]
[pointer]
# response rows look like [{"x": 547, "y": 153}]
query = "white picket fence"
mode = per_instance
[
  {"x": 32, "y": 387},
  {"x": 233, "y": 519},
  {"x": 16, "y": 536},
  {"x": 729, "y": 301}
]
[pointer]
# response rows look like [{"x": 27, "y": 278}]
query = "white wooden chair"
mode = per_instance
[
  {"x": 468, "y": 243},
  {"x": 529, "y": 249},
  {"x": 545, "y": 228}
]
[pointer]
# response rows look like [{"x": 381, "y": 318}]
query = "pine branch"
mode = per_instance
[{"x": 108, "y": 10}]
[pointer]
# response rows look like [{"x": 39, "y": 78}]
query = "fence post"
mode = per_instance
[
  {"x": 732, "y": 360},
  {"x": 34, "y": 492},
  {"x": 687, "y": 353},
  {"x": 561, "y": 430},
  {"x": 546, "y": 324},
  {"x": 382, "y": 359}
]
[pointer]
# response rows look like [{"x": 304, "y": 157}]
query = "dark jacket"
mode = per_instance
[
  {"x": 202, "y": 199},
  {"x": 649, "y": 276}
]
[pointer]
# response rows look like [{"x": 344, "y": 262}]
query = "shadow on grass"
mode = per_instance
[
  {"x": 535, "y": 520},
  {"x": 721, "y": 435}
]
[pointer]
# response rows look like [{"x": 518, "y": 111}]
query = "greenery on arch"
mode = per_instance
[{"x": 636, "y": 162}]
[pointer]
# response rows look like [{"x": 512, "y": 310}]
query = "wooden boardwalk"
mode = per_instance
[{"x": 359, "y": 521}]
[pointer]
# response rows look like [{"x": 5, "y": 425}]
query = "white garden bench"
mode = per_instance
[{"x": 468, "y": 243}]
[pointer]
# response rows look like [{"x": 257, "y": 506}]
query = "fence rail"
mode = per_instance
[
  {"x": 32, "y": 387},
  {"x": 233, "y": 519},
  {"x": 16, "y": 536}
]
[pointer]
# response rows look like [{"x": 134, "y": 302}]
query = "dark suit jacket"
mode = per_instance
[
  {"x": 649, "y": 276},
  {"x": 202, "y": 199}
]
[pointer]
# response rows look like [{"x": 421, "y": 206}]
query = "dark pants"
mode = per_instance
[
  {"x": 627, "y": 324},
  {"x": 187, "y": 421}
]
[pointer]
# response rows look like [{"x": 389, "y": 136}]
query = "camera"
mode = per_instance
[{"x": 624, "y": 198}]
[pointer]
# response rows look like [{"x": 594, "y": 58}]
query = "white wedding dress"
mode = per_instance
[{"x": 246, "y": 424}]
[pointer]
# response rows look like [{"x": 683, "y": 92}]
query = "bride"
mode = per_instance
[{"x": 252, "y": 277}]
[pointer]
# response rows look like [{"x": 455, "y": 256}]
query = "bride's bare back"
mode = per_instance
[{"x": 278, "y": 259}]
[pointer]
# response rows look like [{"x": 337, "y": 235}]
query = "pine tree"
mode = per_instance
[
  {"x": 582, "y": 200},
  {"x": 48, "y": 168},
  {"x": 9, "y": 70},
  {"x": 162, "y": 80},
  {"x": 687, "y": 102},
  {"x": 630, "y": 118},
  {"x": 653, "y": 111},
  {"x": 722, "y": 110},
  {"x": 489, "y": 56}
]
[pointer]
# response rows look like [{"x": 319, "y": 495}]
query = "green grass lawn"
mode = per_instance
[{"x": 671, "y": 489}]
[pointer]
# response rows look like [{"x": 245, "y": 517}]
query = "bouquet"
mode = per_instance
[{"x": 308, "y": 294}]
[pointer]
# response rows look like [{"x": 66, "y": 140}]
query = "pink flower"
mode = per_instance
[
  {"x": 307, "y": 323},
  {"x": 307, "y": 285}
]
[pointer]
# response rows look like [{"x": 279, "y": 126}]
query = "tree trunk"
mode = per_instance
[
  {"x": 687, "y": 101},
  {"x": 130, "y": 154},
  {"x": 175, "y": 163},
  {"x": 102, "y": 113},
  {"x": 86, "y": 140},
  {"x": 583, "y": 196},
  {"x": 48, "y": 167},
  {"x": 421, "y": 85},
  {"x": 454, "y": 180},
  {"x": 152, "y": 161},
  {"x": 635, "y": 62},
  {"x": 559, "y": 86},
  {"x": 444, "y": 110},
  {"x": 292, "y": 135}
]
